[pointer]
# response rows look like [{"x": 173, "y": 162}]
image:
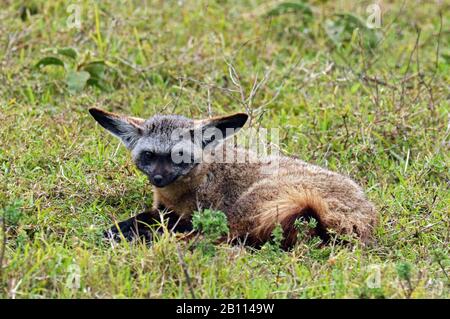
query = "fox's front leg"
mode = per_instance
[
  {"x": 134, "y": 227},
  {"x": 139, "y": 226}
]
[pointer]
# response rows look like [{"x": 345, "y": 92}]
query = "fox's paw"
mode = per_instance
[{"x": 129, "y": 230}]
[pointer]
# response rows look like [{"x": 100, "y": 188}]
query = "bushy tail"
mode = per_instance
[{"x": 293, "y": 204}]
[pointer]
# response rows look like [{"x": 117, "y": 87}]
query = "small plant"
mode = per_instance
[
  {"x": 304, "y": 227},
  {"x": 272, "y": 256},
  {"x": 80, "y": 71},
  {"x": 404, "y": 270},
  {"x": 212, "y": 225},
  {"x": 277, "y": 236},
  {"x": 13, "y": 213},
  {"x": 441, "y": 258},
  {"x": 273, "y": 247},
  {"x": 311, "y": 245}
]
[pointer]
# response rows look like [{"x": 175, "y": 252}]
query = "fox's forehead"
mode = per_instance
[
  {"x": 163, "y": 124},
  {"x": 158, "y": 135}
]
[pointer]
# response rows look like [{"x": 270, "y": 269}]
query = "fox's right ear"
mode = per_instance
[{"x": 128, "y": 129}]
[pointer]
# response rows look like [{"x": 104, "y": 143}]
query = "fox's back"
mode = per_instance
[{"x": 255, "y": 194}]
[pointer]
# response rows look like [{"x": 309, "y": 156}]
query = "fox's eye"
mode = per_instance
[{"x": 147, "y": 155}]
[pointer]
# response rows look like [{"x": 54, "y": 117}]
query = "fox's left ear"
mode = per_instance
[
  {"x": 219, "y": 128},
  {"x": 128, "y": 129}
]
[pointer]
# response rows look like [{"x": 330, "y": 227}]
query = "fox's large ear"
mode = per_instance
[
  {"x": 128, "y": 129},
  {"x": 219, "y": 128}
]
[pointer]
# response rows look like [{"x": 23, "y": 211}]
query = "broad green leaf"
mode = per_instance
[
  {"x": 49, "y": 60},
  {"x": 76, "y": 80},
  {"x": 291, "y": 7},
  {"x": 352, "y": 21},
  {"x": 96, "y": 69},
  {"x": 101, "y": 84},
  {"x": 69, "y": 52}
]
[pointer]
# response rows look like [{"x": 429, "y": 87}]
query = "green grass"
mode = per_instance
[{"x": 379, "y": 113}]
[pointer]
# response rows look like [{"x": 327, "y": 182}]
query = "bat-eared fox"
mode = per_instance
[{"x": 171, "y": 151}]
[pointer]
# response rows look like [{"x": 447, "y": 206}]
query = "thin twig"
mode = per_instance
[
  {"x": 443, "y": 269},
  {"x": 3, "y": 248},
  {"x": 208, "y": 90},
  {"x": 346, "y": 131},
  {"x": 280, "y": 87},
  {"x": 402, "y": 97},
  {"x": 186, "y": 273},
  {"x": 437, "y": 48},
  {"x": 377, "y": 81},
  {"x": 428, "y": 85}
]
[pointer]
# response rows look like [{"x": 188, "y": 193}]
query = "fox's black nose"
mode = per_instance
[{"x": 158, "y": 180}]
